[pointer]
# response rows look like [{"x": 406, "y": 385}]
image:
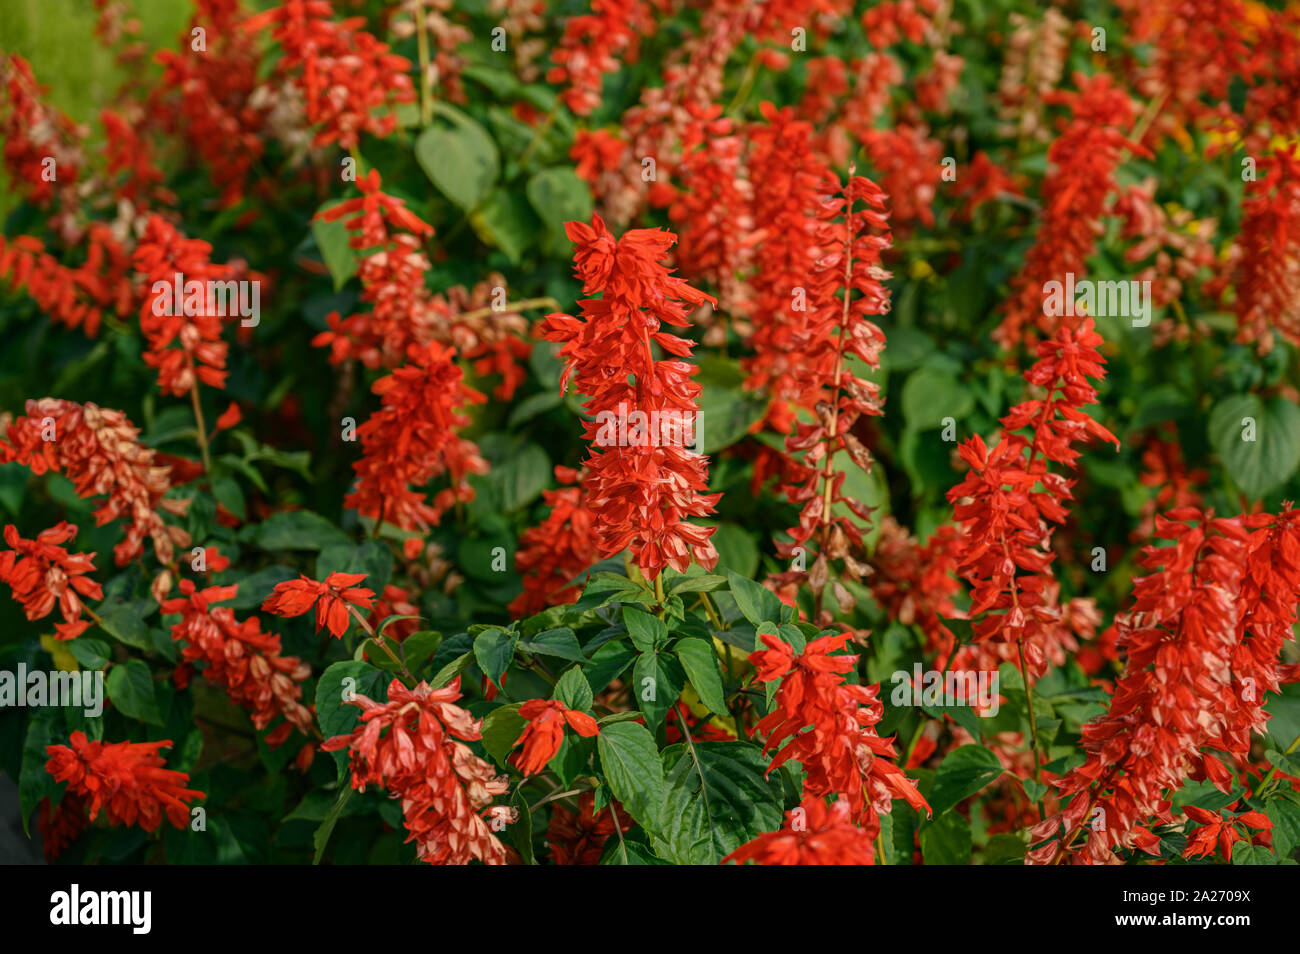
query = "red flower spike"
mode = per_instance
[{"x": 643, "y": 495}]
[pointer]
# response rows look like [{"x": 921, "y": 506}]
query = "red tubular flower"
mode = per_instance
[
  {"x": 1007, "y": 520},
  {"x": 841, "y": 291},
  {"x": 41, "y": 574},
  {"x": 712, "y": 213},
  {"x": 1267, "y": 279},
  {"x": 350, "y": 81},
  {"x": 127, "y": 779},
  {"x": 239, "y": 658},
  {"x": 414, "y": 746},
  {"x": 595, "y": 44},
  {"x": 580, "y": 839},
  {"x": 1222, "y": 831},
  {"x": 207, "y": 97},
  {"x": 331, "y": 599},
  {"x": 816, "y": 835},
  {"x": 184, "y": 343},
  {"x": 99, "y": 451},
  {"x": 412, "y": 438},
  {"x": 789, "y": 184},
  {"x": 554, "y": 553},
  {"x": 841, "y": 752},
  {"x": 1203, "y": 645},
  {"x": 1083, "y": 162},
  {"x": 544, "y": 733},
  {"x": 74, "y": 296},
  {"x": 34, "y": 132},
  {"x": 643, "y": 495}
]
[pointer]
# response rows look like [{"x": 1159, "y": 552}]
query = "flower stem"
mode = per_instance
[
  {"x": 382, "y": 642},
  {"x": 202, "y": 428}
]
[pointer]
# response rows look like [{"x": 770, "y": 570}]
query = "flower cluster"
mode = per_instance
[
  {"x": 816, "y": 835},
  {"x": 1009, "y": 500},
  {"x": 413, "y": 746},
  {"x": 43, "y": 574},
  {"x": 642, "y": 496},
  {"x": 350, "y": 81},
  {"x": 412, "y": 439},
  {"x": 99, "y": 451},
  {"x": 239, "y": 658},
  {"x": 553, "y": 554},
  {"x": 840, "y": 750},
  {"x": 1203, "y": 642},
  {"x": 129, "y": 781}
]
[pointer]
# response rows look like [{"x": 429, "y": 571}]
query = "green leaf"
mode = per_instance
[
  {"x": 521, "y": 832},
  {"x": 295, "y": 530},
  {"x": 946, "y": 840},
  {"x": 45, "y": 728},
  {"x": 494, "y": 650},
  {"x": 322, "y": 836},
  {"x": 1263, "y": 464},
  {"x": 131, "y": 690},
  {"x": 632, "y": 767},
  {"x": 1244, "y": 853},
  {"x": 419, "y": 647},
  {"x": 461, "y": 161},
  {"x": 657, "y": 683},
  {"x": 332, "y": 241},
  {"x": 715, "y": 800},
  {"x": 608, "y": 663},
  {"x": 962, "y": 773},
  {"x": 757, "y": 603},
  {"x": 374, "y": 558},
  {"x": 555, "y": 642},
  {"x": 736, "y": 550},
  {"x": 338, "y": 683},
  {"x": 125, "y": 623},
  {"x": 573, "y": 690},
  {"x": 1004, "y": 849},
  {"x": 930, "y": 395},
  {"x": 704, "y": 583},
  {"x": 507, "y": 221},
  {"x": 559, "y": 196},
  {"x": 701, "y": 664},
  {"x": 91, "y": 653},
  {"x": 501, "y": 730},
  {"x": 646, "y": 631},
  {"x": 1285, "y": 816},
  {"x": 727, "y": 409},
  {"x": 450, "y": 671}
]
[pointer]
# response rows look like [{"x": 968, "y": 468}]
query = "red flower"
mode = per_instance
[
  {"x": 1267, "y": 282},
  {"x": 98, "y": 450},
  {"x": 1007, "y": 520},
  {"x": 594, "y": 45},
  {"x": 816, "y": 836},
  {"x": 41, "y": 573},
  {"x": 1083, "y": 162},
  {"x": 1217, "y": 830},
  {"x": 239, "y": 658},
  {"x": 642, "y": 495},
  {"x": 184, "y": 344},
  {"x": 552, "y": 555},
  {"x": 412, "y": 438},
  {"x": 351, "y": 83},
  {"x": 414, "y": 746},
  {"x": 127, "y": 779},
  {"x": 331, "y": 599},
  {"x": 580, "y": 839},
  {"x": 544, "y": 733},
  {"x": 840, "y": 751}
]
